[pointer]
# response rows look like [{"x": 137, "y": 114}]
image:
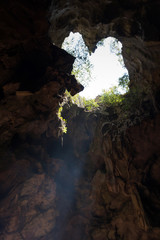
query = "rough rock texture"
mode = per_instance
[
  {"x": 117, "y": 177},
  {"x": 134, "y": 23},
  {"x": 101, "y": 180}
]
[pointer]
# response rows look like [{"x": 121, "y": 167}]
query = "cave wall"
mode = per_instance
[
  {"x": 97, "y": 181},
  {"x": 134, "y": 23},
  {"x": 34, "y": 77},
  {"x": 115, "y": 174}
]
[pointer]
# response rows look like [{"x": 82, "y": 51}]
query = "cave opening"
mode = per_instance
[{"x": 100, "y": 71}]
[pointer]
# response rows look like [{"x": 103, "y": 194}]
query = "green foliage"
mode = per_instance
[
  {"x": 82, "y": 70},
  {"x": 82, "y": 66},
  {"x": 63, "y": 121},
  {"x": 111, "y": 97},
  {"x": 124, "y": 82},
  {"x": 115, "y": 47},
  {"x": 90, "y": 104},
  {"x": 124, "y": 104},
  {"x": 76, "y": 99},
  {"x": 108, "y": 98}
]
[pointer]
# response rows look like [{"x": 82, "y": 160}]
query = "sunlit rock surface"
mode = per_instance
[{"x": 101, "y": 180}]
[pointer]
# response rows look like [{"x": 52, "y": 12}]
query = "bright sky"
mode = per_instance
[{"x": 105, "y": 72}]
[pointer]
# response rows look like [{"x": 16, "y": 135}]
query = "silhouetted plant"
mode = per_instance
[
  {"x": 82, "y": 66},
  {"x": 115, "y": 47},
  {"x": 124, "y": 82}
]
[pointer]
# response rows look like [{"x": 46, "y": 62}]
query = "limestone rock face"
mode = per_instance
[
  {"x": 134, "y": 23},
  {"x": 101, "y": 180},
  {"x": 117, "y": 178}
]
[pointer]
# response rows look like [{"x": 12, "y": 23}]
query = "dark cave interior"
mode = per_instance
[{"x": 103, "y": 182}]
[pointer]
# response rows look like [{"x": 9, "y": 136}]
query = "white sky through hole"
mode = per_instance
[{"x": 106, "y": 68}]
